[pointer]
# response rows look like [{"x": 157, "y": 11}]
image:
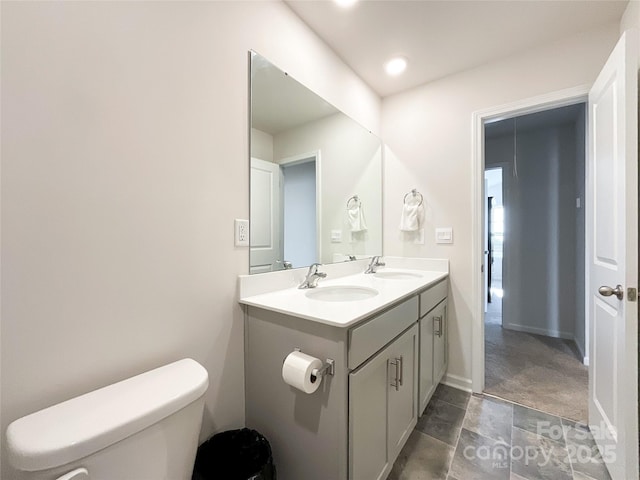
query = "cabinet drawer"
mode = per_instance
[
  {"x": 370, "y": 337},
  {"x": 432, "y": 297}
]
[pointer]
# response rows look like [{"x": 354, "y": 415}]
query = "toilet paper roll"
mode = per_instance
[{"x": 297, "y": 371}]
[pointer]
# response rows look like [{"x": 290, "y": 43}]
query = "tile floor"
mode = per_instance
[
  {"x": 469, "y": 437},
  {"x": 540, "y": 372}
]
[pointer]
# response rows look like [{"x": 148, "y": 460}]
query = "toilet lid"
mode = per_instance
[{"x": 83, "y": 425}]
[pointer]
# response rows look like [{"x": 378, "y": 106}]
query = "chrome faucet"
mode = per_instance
[
  {"x": 313, "y": 275},
  {"x": 286, "y": 264},
  {"x": 374, "y": 264}
]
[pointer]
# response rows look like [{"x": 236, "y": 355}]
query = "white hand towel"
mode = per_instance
[
  {"x": 411, "y": 218},
  {"x": 356, "y": 219}
]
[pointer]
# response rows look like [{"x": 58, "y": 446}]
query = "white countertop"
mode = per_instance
[{"x": 294, "y": 301}]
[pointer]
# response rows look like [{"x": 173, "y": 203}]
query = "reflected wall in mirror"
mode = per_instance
[{"x": 316, "y": 177}]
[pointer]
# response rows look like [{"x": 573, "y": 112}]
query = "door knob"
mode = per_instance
[{"x": 606, "y": 291}]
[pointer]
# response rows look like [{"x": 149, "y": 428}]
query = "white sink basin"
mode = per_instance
[
  {"x": 341, "y": 293},
  {"x": 391, "y": 275}
]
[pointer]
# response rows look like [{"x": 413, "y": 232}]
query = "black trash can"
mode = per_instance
[{"x": 235, "y": 455}]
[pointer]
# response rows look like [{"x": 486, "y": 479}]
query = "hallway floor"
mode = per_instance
[
  {"x": 468, "y": 437},
  {"x": 540, "y": 372}
]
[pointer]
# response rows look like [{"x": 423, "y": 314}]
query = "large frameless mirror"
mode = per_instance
[{"x": 316, "y": 177}]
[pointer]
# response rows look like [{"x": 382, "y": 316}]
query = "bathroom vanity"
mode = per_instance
[{"x": 386, "y": 334}]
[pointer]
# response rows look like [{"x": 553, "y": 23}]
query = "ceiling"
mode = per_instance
[
  {"x": 278, "y": 102},
  {"x": 440, "y": 38}
]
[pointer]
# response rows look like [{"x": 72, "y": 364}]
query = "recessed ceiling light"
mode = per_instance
[
  {"x": 396, "y": 66},
  {"x": 345, "y": 3}
]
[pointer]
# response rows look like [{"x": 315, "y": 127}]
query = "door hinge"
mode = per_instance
[{"x": 632, "y": 294}]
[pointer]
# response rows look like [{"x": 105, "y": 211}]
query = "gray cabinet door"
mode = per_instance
[
  {"x": 403, "y": 390},
  {"x": 383, "y": 404},
  {"x": 368, "y": 453},
  {"x": 439, "y": 319},
  {"x": 427, "y": 383}
]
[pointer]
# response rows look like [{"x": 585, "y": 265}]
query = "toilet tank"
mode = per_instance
[{"x": 143, "y": 428}]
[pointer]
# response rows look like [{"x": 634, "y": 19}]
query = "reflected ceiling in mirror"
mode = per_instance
[{"x": 316, "y": 177}]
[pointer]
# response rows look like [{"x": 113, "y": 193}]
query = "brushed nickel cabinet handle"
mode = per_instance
[
  {"x": 439, "y": 331},
  {"x": 396, "y": 384}
]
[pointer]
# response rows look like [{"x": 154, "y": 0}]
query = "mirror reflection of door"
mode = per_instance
[
  {"x": 264, "y": 229},
  {"x": 299, "y": 212}
]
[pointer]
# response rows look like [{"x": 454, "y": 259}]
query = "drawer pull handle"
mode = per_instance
[
  {"x": 397, "y": 380},
  {"x": 438, "y": 332}
]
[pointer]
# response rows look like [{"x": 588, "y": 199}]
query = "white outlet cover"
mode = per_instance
[{"x": 241, "y": 232}]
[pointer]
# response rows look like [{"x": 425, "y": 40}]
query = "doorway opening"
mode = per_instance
[
  {"x": 299, "y": 211},
  {"x": 285, "y": 213},
  {"x": 494, "y": 228},
  {"x": 535, "y": 335}
]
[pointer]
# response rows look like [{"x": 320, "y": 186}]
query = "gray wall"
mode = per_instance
[{"x": 541, "y": 230}]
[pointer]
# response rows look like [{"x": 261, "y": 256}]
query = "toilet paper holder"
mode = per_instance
[{"x": 328, "y": 368}]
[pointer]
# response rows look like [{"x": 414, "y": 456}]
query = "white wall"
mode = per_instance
[
  {"x": 124, "y": 162},
  {"x": 429, "y": 130},
  {"x": 539, "y": 266},
  {"x": 493, "y": 180},
  {"x": 261, "y": 145},
  {"x": 350, "y": 164}
]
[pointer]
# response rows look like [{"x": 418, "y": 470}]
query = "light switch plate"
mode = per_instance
[
  {"x": 336, "y": 236},
  {"x": 241, "y": 232},
  {"x": 444, "y": 235}
]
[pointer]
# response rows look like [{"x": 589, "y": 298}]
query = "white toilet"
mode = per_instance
[{"x": 143, "y": 428}]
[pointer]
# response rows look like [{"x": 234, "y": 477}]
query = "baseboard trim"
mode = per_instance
[
  {"x": 455, "y": 381},
  {"x": 539, "y": 331},
  {"x": 585, "y": 359}
]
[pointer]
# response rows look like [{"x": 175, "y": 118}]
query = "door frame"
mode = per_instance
[
  {"x": 560, "y": 98},
  {"x": 303, "y": 158}
]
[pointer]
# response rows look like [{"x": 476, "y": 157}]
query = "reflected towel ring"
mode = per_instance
[
  {"x": 355, "y": 199},
  {"x": 414, "y": 193}
]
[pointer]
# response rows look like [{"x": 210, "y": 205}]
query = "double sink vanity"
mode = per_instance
[
  {"x": 378, "y": 340},
  {"x": 385, "y": 336}
]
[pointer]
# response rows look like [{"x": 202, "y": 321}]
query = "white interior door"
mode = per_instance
[
  {"x": 265, "y": 232},
  {"x": 612, "y": 240}
]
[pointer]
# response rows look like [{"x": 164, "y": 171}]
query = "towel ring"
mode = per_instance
[
  {"x": 355, "y": 199},
  {"x": 414, "y": 193}
]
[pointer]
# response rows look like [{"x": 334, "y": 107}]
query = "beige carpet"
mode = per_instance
[{"x": 536, "y": 371}]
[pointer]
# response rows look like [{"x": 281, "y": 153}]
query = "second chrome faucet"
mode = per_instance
[
  {"x": 374, "y": 264},
  {"x": 313, "y": 275}
]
